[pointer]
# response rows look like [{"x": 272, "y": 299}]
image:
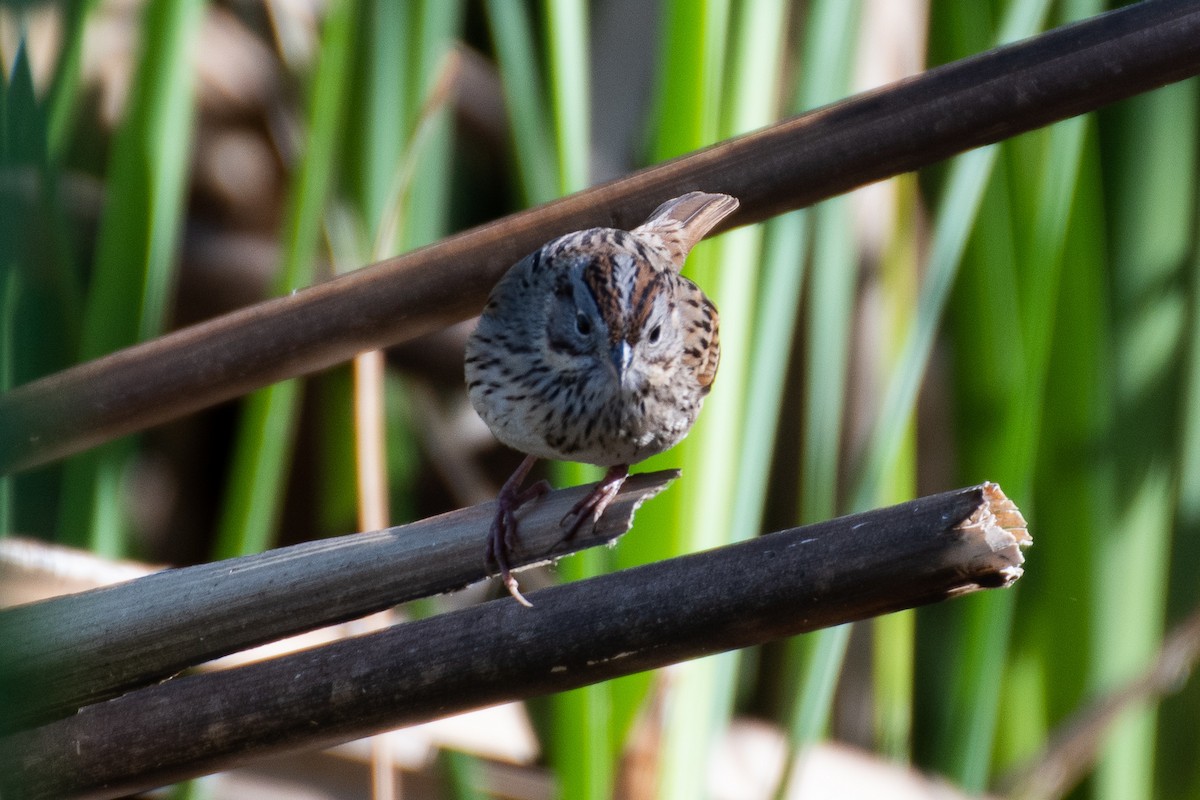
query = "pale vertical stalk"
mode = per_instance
[
  {"x": 370, "y": 427},
  {"x": 777, "y": 312},
  {"x": 752, "y": 92},
  {"x": 700, "y": 695},
  {"x": 834, "y": 273},
  {"x": 894, "y": 635},
  {"x": 833, "y": 277},
  {"x": 383, "y": 42},
  {"x": 731, "y": 278},
  {"x": 813, "y": 663},
  {"x": 370, "y": 461},
  {"x": 265, "y": 434},
  {"x": 406, "y": 119},
  {"x": 893, "y": 638},
  {"x": 892, "y": 47}
]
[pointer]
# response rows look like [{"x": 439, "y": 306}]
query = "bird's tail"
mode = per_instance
[{"x": 680, "y": 223}]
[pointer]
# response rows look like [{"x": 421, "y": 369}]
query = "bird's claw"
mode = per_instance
[
  {"x": 501, "y": 538},
  {"x": 596, "y": 501},
  {"x": 502, "y": 535}
]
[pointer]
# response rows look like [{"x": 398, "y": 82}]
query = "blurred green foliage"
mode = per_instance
[{"x": 1028, "y": 313}]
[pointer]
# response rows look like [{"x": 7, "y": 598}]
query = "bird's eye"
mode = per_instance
[
  {"x": 655, "y": 333},
  {"x": 582, "y": 324}
]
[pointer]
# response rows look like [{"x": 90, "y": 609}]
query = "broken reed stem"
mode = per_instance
[
  {"x": 578, "y": 633},
  {"x": 67, "y": 652}
]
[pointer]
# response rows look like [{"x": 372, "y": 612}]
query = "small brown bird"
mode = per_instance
[{"x": 594, "y": 348}]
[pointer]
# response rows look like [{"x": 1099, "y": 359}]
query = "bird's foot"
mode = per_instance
[
  {"x": 594, "y": 503},
  {"x": 502, "y": 535}
]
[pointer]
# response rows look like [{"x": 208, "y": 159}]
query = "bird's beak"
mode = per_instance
[{"x": 621, "y": 355}]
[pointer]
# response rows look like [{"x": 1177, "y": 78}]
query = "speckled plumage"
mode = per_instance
[{"x": 594, "y": 348}]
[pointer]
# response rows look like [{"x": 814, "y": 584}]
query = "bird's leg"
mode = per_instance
[
  {"x": 502, "y": 535},
  {"x": 594, "y": 503}
]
